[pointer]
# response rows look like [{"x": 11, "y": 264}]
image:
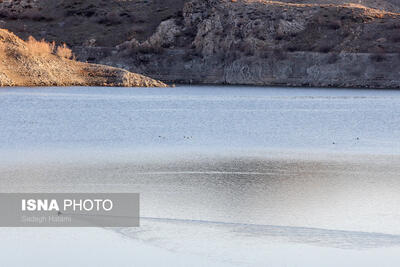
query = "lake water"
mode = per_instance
[{"x": 228, "y": 176}]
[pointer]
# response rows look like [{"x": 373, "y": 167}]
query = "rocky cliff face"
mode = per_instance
[
  {"x": 270, "y": 43},
  {"x": 288, "y": 42}
]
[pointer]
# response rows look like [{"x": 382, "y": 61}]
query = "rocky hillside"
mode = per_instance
[
  {"x": 89, "y": 22},
  {"x": 270, "y": 43},
  {"x": 106, "y": 23},
  {"x": 34, "y": 64},
  {"x": 289, "y": 42}
]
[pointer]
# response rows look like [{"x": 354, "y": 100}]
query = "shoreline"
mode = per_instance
[{"x": 219, "y": 85}]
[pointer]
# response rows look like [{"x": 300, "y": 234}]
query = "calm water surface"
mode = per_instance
[{"x": 228, "y": 176}]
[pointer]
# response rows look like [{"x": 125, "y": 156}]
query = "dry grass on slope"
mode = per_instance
[
  {"x": 43, "y": 48},
  {"x": 64, "y": 52},
  {"x": 39, "y": 63},
  {"x": 40, "y": 47}
]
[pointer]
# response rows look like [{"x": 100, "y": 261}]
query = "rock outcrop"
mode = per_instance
[
  {"x": 22, "y": 65},
  {"x": 271, "y": 43}
]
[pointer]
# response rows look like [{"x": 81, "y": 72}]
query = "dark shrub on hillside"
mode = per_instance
[
  {"x": 147, "y": 50},
  {"x": 325, "y": 49},
  {"x": 334, "y": 25},
  {"x": 292, "y": 48},
  {"x": 8, "y": 15},
  {"x": 111, "y": 18},
  {"x": 35, "y": 15}
]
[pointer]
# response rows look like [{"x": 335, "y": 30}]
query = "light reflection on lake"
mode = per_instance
[{"x": 358, "y": 195}]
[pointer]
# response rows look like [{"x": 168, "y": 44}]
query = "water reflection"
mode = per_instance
[{"x": 353, "y": 195}]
